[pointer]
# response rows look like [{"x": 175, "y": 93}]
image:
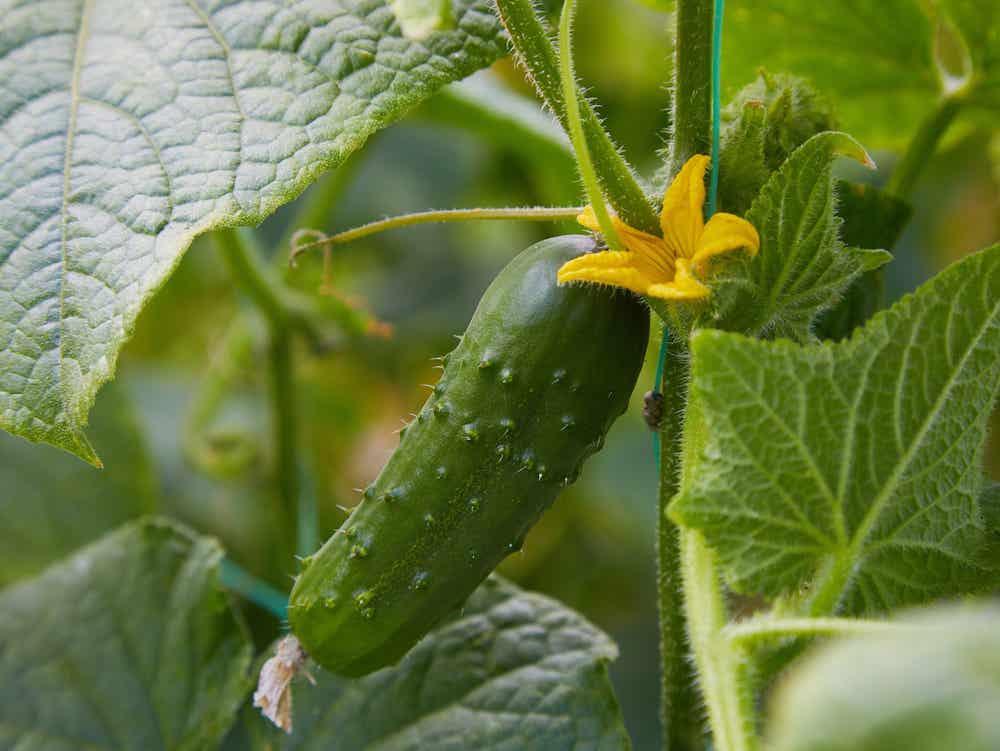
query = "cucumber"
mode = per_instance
[{"x": 535, "y": 383}]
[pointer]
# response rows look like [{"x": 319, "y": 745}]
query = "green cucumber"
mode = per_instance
[{"x": 535, "y": 383}]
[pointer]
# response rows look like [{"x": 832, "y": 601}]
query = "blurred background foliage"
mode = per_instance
[{"x": 198, "y": 344}]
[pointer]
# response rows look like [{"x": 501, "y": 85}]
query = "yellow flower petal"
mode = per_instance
[
  {"x": 683, "y": 287},
  {"x": 681, "y": 218},
  {"x": 725, "y": 233},
  {"x": 651, "y": 247},
  {"x": 613, "y": 267}
]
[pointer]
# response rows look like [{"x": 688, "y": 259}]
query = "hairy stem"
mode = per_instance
[
  {"x": 680, "y": 710},
  {"x": 680, "y": 705},
  {"x": 750, "y": 633},
  {"x": 918, "y": 152},
  {"x": 720, "y": 667},
  {"x": 692, "y": 100},
  {"x": 576, "y": 136},
  {"x": 301, "y": 243},
  {"x": 534, "y": 50}
]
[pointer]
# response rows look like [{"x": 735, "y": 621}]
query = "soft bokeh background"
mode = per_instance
[{"x": 595, "y": 549}]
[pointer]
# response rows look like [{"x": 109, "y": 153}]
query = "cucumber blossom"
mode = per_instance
[{"x": 535, "y": 383}]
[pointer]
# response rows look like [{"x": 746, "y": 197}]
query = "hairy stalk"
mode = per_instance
[
  {"x": 722, "y": 669},
  {"x": 720, "y": 666},
  {"x": 576, "y": 136},
  {"x": 918, "y": 152},
  {"x": 751, "y": 633},
  {"x": 535, "y": 52},
  {"x": 300, "y": 242},
  {"x": 680, "y": 705},
  {"x": 692, "y": 81},
  {"x": 680, "y": 710}
]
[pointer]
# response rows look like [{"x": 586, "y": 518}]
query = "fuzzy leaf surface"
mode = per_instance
[
  {"x": 126, "y": 130},
  {"x": 514, "y": 670},
  {"x": 857, "y": 461},
  {"x": 803, "y": 267},
  {"x": 128, "y": 644}
]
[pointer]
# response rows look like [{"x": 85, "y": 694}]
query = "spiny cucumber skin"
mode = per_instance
[{"x": 538, "y": 378}]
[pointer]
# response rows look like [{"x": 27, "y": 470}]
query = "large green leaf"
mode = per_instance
[
  {"x": 932, "y": 687},
  {"x": 857, "y": 461},
  {"x": 876, "y": 58},
  {"x": 803, "y": 266},
  {"x": 514, "y": 670},
  {"x": 129, "y": 644},
  {"x": 52, "y": 503},
  {"x": 126, "y": 130}
]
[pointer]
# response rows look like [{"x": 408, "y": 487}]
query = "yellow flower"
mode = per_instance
[{"x": 665, "y": 267}]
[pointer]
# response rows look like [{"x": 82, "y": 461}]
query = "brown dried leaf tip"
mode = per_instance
[{"x": 274, "y": 688}]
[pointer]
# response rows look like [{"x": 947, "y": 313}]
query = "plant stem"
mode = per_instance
[
  {"x": 576, "y": 136},
  {"x": 284, "y": 426},
  {"x": 720, "y": 666},
  {"x": 680, "y": 710},
  {"x": 680, "y": 705},
  {"x": 529, "y": 213},
  {"x": 238, "y": 250},
  {"x": 750, "y": 633},
  {"x": 918, "y": 153},
  {"x": 534, "y": 49},
  {"x": 692, "y": 76},
  {"x": 260, "y": 593},
  {"x": 722, "y": 670}
]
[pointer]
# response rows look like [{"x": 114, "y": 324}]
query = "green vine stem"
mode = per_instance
[
  {"x": 242, "y": 258},
  {"x": 680, "y": 704},
  {"x": 235, "y": 578},
  {"x": 300, "y": 242},
  {"x": 284, "y": 424},
  {"x": 918, "y": 153},
  {"x": 575, "y": 124},
  {"x": 722, "y": 669},
  {"x": 692, "y": 90},
  {"x": 750, "y": 634},
  {"x": 681, "y": 710},
  {"x": 534, "y": 50}
]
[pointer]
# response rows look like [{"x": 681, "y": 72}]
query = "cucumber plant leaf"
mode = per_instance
[
  {"x": 129, "y": 643},
  {"x": 803, "y": 267},
  {"x": 53, "y": 504},
  {"x": 934, "y": 686},
  {"x": 855, "y": 462},
  {"x": 512, "y": 670},
  {"x": 881, "y": 62},
  {"x": 125, "y": 134}
]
